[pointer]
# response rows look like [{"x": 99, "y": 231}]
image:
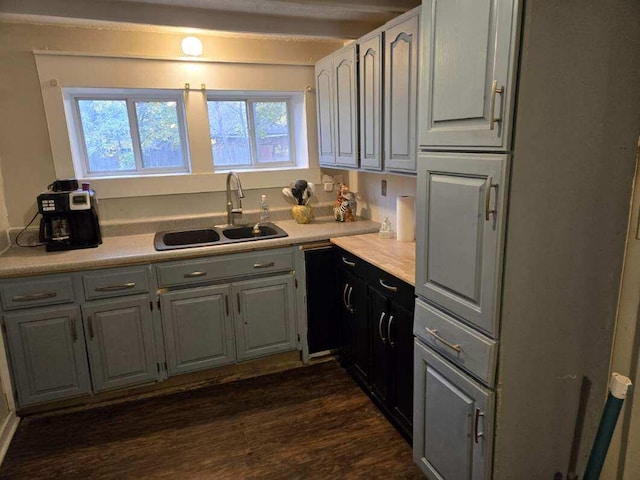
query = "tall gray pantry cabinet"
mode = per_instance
[{"x": 521, "y": 220}]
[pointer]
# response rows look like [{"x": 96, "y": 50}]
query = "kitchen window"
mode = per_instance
[
  {"x": 134, "y": 132},
  {"x": 250, "y": 132}
]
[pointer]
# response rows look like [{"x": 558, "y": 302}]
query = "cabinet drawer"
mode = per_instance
[
  {"x": 391, "y": 287},
  {"x": 352, "y": 263},
  {"x": 460, "y": 344},
  {"x": 115, "y": 282},
  {"x": 36, "y": 292},
  {"x": 218, "y": 268}
]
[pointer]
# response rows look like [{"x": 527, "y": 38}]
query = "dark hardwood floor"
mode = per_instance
[{"x": 311, "y": 423}]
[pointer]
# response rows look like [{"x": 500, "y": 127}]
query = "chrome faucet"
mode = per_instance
[{"x": 230, "y": 210}]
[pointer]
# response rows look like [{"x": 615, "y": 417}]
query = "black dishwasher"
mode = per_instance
[{"x": 322, "y": 308}]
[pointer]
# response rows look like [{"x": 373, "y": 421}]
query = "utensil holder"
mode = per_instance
[{"x": 302, "y": 213}]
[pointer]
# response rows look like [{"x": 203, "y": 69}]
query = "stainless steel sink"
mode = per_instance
[{"x": 215, "y": 236}]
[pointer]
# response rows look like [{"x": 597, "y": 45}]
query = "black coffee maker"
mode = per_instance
[{"x": 69, "y": 217}]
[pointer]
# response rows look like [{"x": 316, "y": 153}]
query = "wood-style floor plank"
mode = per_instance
[{"x": 311, "y": 423}]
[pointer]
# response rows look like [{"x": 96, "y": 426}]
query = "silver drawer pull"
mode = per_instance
[
  {"x": 115, "y": 288},
  {"x": 388, "y": 287},
  {"x": 33, "y": 296},
  {"x": 347, "y": 262},
  {"x": 194, "y": 274},
  {"x": 434, "y": 333},
  {"x": 264, "y": 265}
]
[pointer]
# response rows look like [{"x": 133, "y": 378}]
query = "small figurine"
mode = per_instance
[{"x": 344, "y": 208}]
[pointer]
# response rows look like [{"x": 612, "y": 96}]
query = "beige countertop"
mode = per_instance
[
  {"x": 392, "y": 256},
  {"x": 135, "y": 249}
]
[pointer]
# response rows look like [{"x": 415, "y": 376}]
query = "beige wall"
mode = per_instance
[
  {"x": 373, "y": 205},
  {"x": 24, "y": 141},
  {"x": 4, "y": 219}
]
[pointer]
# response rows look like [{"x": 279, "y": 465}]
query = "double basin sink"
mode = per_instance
[{"x": 216, "y": 236}]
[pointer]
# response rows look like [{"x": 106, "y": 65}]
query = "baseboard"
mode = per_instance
[{"x": 7, "y": 430}]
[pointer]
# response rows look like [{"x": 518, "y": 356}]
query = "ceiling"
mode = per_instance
[{"x": 318, "y": 18}]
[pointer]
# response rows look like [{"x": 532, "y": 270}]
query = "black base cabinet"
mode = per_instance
[{"x": 376, "y": 336}]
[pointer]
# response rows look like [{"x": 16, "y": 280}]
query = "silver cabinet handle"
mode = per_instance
[
  {"x": 238, "y": 297},
  {"x": 434, "y": 333},
  {"x": 347, "y": 262},
  {"x": 344, "y": 296},
  {"x": 226, "y": 304},
  {"x": 492, "y": 107},
  {"x": 477, "y": 435},
  {"x": 90, "y": 325},
  {"x": 487, "y": 199},
  {"x": 194, "y": 274},
  {"x": 115, "y": 288},
  {"x": 33, "y": 296},
  {"x": 391, "y": 343},
  {"x": 349, "y": 305},
  {"x": 380, "y": 328},
  {"x": 264, "y": 265},
  {"x": 388, "y": 287},
  {"x": 72, "y": 327}
]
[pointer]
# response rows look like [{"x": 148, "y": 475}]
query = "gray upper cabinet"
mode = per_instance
[
  {"x": 198, "y": 328},
  {"x": 47, "y": 353},
  {"x": 453, "y": 421},
  {"x": 325, "y": 107},
  {"x": 120, "y": 342},
  {"x": 401, "y": 47},
  {"x": 346, "y": 106},
  {"x": 264, "y": 316},
  {"x": 461, "y": 209},
  {"x": 370, "y": 93},
  {"x": 467, "y": 80}
]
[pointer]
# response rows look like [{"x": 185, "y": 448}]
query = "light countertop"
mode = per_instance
[
  {"x": 136, "y": 249},
  {"x": 390, "y": 255}
]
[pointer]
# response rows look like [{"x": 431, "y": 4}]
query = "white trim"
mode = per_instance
[
  {"x": 174, "y": 59},
  {"x": 57, "y": 71},
  {"x": 7, "y": 431}
]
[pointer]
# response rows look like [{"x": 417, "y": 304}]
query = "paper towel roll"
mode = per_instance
[{"x": 406, "y": 218}]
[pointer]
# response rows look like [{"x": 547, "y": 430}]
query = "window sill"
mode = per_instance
[{"x": 125, "y": 187}]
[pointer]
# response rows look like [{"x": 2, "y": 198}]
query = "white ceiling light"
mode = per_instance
[{"x": 192, "y": 46}]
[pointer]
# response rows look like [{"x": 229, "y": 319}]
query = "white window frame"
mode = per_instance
[
  {"x": 76, "y": 133},
  {"x": 250, "y": 100}
]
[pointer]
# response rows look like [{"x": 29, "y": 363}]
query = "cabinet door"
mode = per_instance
[
  {"x": 360, "y": 329},
  {"x": 48, "y": 356},
  {"x": 400, "y": 335},
  {"x": 264, "y": 316},
  {"x": 325, "y": 106},
  {"x": 453, "y": 422},
  {"x": 467, "y": 79},
  {"x": 461, "y": 210},
  {"x": 198, "y": 329},
  {"x": 120, "y": 342},
  {"x": 380, "y": 316},
  {"x": 401, "y": 47},
  {"x": 346, "y": 114},
  {"x": 370, "y": 65}
]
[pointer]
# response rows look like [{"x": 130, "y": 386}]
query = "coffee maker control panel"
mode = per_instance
[{"x": 52, "y": 202}]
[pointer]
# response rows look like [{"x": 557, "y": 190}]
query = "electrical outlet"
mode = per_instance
[{"x": 383, "y": 189}]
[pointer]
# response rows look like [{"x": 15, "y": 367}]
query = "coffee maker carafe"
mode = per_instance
[{"x": 69, "y": 217}]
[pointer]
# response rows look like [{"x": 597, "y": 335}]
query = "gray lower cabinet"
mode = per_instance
[
  {"x": 198, "y": 328},
  {"x": 461, "y": 208},
  {"x": 264, "y": 316},
  {"x": 120, "y": 342},
  {"x": 47, "y": 354},
  {"x": 453, "y": 420}
]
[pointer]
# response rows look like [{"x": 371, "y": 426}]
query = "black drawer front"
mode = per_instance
[
  {"x": 351, "y": 263},
  {"x": 391, "y": 287}
]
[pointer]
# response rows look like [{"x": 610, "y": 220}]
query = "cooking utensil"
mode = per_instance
[{"x": 288, "y": 196}]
